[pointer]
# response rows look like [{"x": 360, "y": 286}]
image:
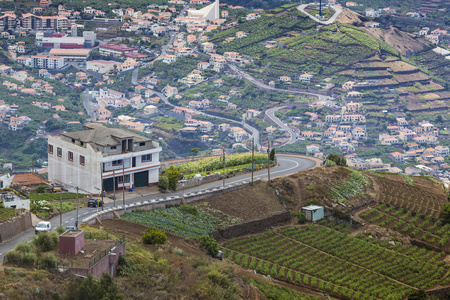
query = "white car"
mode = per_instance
[{"x": 43, "y": 226}]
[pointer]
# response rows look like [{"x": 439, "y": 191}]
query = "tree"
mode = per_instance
[
  {"x": 194, "y": 152},
  {"x": 210, "y": 245},
  {"x": 340, "y": 161},
  {"x": 446, "y": 212},
  {"x": 272, "y": 154},
  {"x": 173, "y": 173}
]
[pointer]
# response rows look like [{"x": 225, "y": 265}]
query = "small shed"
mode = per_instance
[
  {"x": 313, "y": 212},
  {"x": 71, "y": 242}
]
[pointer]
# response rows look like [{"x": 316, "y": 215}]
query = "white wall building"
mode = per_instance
[
  {"x": 84, "y": 159},
  {"x": 48, "y": 62},
  {"x": 210, "y": 12}
]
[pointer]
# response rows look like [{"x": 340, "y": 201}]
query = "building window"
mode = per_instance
[
  {"x": 142, "y": 144},
  {"x": 70, "y": 155},
  {"x": 59, "y": 152},
  {"x": 82, "y": 161},
  {"x": 50, "y": 149},
  {"x": 117, "y": 162},
  {"x": 146, "y": 158},
  {"x": 127, "y": 179},
  {"x": 113, "y": 147}
]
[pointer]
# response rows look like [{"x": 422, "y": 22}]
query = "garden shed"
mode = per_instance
[{"x": 313, "y": 212}]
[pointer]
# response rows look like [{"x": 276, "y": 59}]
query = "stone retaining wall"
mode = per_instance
[
  {"x": 251, "y": 226},
  {"x": 17, "y": 225}
]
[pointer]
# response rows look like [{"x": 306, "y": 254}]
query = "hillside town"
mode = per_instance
[{"x": 207, "y": 149}]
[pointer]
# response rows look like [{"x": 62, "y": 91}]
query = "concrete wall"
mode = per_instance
[
  {"x": 252, "y": 226},
  {"x": 14, "y": 227},
  {"x": 105, "y": 264},
  {"x": 72, "y": 173}
]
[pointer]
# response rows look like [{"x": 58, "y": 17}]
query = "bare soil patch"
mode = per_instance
[{"x": 250, "y": 203}]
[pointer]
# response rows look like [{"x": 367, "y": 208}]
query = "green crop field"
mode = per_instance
[
  {"x": 415, "y": 225},
  {"x": 176, "y": 220},
  {"x": 332, "y": 261}
]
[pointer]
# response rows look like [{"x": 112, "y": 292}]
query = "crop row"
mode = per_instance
[
  {"x": 344, "y": 260},
  {"x": 297, "y": 257},
  {"x": 404, "y": 222}
]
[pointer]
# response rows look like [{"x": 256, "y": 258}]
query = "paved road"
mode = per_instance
[
  {"x": 90, "y": 107},
  {"x": 337, "y": 9},
  {"x": 270, "y": 113},
  {"x": 244, "y": 75},
  {"x": 287, "y": 165}
]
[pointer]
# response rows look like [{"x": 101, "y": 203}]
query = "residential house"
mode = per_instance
[
  {"x": 77, "y": 158},
  {"x": 397, "y": 156}
]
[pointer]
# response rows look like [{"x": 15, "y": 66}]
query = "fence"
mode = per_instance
[{"x": 106, "y": 252}]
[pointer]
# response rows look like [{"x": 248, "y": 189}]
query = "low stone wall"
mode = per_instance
[
  {"x": 17, "y": 225},
  {"x": 162, "y": 202},
  {"x": 251, "y": 226}
]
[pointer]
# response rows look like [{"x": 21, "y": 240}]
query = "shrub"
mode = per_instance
[
  {"x": 46, "y": 241},
  {"x": 301, "y": 217},
  {"x": 48, "y": 260},
  {"x": 210, "y": 245},
  {"x": 189, "y": 209},
  {"x": 446, "y": 212},
  {"x": 163, "y": 183},
  {"x": 178, "y": 251},
  {"x": 40, "y": 190},
  {"x": 27, "y": 260},
  {"x": 153, "y": 236}
]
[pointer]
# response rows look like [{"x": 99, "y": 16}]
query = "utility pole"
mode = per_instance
[
  {"x": 253, "y": 155},
  {"x": 268, "y": 160},
  {"x": 76, "y": 222},
  {"x": 223, "y": 158},
  {"x": 123, "y": 182},
  {"x": 101, "y": 183},
  {"x": 114, "y": 188},
  {"x": 60, "y": 206}
]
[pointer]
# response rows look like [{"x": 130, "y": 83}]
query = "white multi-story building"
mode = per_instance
[
  {"x": 48, "y": 62},
  {"x": 100, "y": 156}
]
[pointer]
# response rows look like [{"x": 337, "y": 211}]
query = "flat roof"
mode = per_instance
[
  {"x": 118, "y": 47},
  {"x": 67, "y": 52},
  {"x": 312, "y": 207}
]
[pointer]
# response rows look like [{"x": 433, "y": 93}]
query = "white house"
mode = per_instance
[{"x": 99, "y": 156}]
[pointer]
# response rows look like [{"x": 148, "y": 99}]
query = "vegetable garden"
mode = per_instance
[
  {"x": 332, "y": 261},
  {"x": 350, "y": 189},
  {"x": 176, "y": 221}
]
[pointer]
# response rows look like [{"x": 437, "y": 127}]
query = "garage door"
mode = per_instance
[
  {"x": 141, "y": 179},
  {"x": 108, "y": 184}
]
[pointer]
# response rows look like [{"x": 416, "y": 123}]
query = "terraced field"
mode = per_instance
[
  {"x": 411, "y": 197},
  {"x": 415, "y": 225},
  {"x": 332, "y": 261}
]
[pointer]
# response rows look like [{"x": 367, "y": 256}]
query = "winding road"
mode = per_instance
[
  {"x": 270, "y": 113},
  {"x": 288, "y": 164}
]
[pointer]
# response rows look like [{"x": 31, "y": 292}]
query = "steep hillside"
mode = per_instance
[{"x": 301, "y": 45}]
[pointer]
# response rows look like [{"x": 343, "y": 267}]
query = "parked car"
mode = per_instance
[
  {"x": 43, "y": 226},
  {"x": 95, "y": 203}
]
